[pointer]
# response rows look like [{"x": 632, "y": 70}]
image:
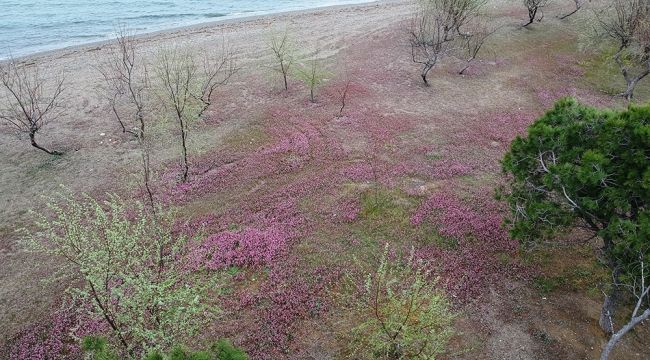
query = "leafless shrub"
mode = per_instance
[
  {"x": 474, "y": 42},
  {"x": 283, "y": 51},
  {"x": 535, "y": 10},
  {"x": 435, "y": 28},
  {"x": 187, "y": 86},
  {"x": 127, "y": 87},
  {"x": 578, "y": 6},
  {"x": 343, "y": 95},
  {"x": 429, "y": 41},
  {"x": 627, "y": 22},
  {"x": 29, "y": 101},
  {"x": 456, "y": 13},
  {"x": 126, "y": 83}
]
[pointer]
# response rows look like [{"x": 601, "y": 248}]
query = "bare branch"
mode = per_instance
[{"x": 29, "y": 101}]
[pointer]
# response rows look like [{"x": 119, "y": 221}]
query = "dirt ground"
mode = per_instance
[{"x": 462, "y": 122}]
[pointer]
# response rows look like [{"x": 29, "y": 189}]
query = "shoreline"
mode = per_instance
[{"x": 187, "y": 30}]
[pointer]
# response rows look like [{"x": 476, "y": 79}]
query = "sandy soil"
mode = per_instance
[{"x": 511, "y": 322}]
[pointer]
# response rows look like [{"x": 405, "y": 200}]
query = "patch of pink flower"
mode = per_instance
[
  {"x": 248, "y": 247},
  {"x": 287, "y": 297},
  {"x": 58, "y": 336},
  {"x": 343, "y": 211},
  {"x": 359, "y": 171},
  {"x": 457, "y": 220},
  {"x": 468, "y": 268}
]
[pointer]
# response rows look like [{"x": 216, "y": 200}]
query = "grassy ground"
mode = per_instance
[{"x": 408, "y": 165}]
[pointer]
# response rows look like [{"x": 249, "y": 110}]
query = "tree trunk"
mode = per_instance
[
  {"x": 629, "y": 92},
  {"x": 146, "y": 172},
  {"x": 608, "y": 310},
  {"x": 109, "y": 319},
  {"x": 117, "y": 116},
  {"x": 186, "y": 167},
  {"x": 624, "y": 330},
  {"x": 424, "y": 74},
  {"x": 569, "y": 14},
  {"x": 32, "y": 139},
  {"x": 286, "y": 83},
  {"x": 465, "y": 68},
  {"x": 531, "y": 16},
  {"x": 631, "y": 85}
]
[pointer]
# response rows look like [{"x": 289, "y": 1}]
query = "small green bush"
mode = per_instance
[
  {"x": 403, "y": 313},
  {"x": 97, "y": 348},
  {"x": 129, "y": 261}
]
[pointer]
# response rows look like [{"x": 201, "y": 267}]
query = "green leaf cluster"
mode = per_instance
[
  {"x": 584, "y": 167},
  {"x": 404, "y": 315},
  {"x": 96, "y": 348},
  {"x": 128, "y": 266}
]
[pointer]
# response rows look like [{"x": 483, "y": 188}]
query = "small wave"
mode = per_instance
[
  {"x": 63, "y": 24},
  {"x": 89, "y": 36},
  {"x": 213, "y": 15},
  {"x": 159, "y": 16}
]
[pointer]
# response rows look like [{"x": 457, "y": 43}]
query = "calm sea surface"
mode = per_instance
[{"x": 30, "y": 26}]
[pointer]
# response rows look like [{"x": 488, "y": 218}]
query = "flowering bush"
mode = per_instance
[{"x": 128, "y": 263}]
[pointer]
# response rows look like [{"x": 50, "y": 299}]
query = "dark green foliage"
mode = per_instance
[
  {"x": 93, "y": 344},
  {"x": 588, "y": 168},
  {"x": 97, "y": 349},
  {"x": 224, "y": 350}
]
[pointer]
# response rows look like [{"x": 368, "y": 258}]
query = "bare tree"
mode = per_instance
[
  {"x": 282, "y": 49},
  {"x": 474, "y": 42},
  {"x": 343, "y": 95},
  {"x": 216, "y": 72},
  {"x": 430, "y": 41},
  {"x": 126, "y": 81},
  {"x": 628, "y": 23},
  {"x": 456, "y": 13},
  {"x": 29, "y": 101},
  {"x": 127, "y": 86},
  {"x": 435, "y": 27},
  {"x": 578, "y": 6},
  {"x": 187, "y": 88},
  {"x": 639, "y": 287},
  {"x": 535, "y": 11}
]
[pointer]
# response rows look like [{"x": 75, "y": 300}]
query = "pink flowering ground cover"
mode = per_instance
[
  {"x": 475, "y": 262},
  {"x": 58, "y": 336},
  {"x": 306, "y": 186},
  {"x": 248, "y": 247}
]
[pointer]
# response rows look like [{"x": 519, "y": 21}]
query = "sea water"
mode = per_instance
[{"x": 31, "y": 26}]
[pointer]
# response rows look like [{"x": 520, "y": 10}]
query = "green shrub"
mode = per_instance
[
  {"x": 97, "y": 348},
  {"x": 130, "y": 268},
  {"x": 581, "y": 167},
  {"x": 403, "y": 314}
]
